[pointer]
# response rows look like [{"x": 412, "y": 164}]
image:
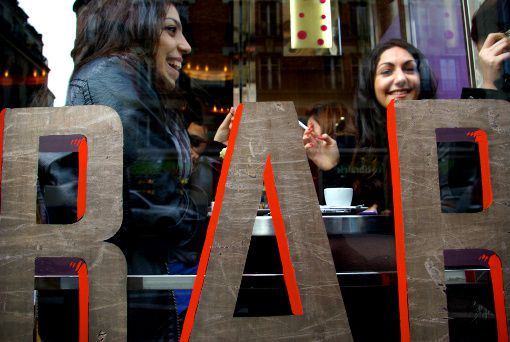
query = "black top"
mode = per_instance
[
  {"x": 479, "y": 93},
  {"x": 165, "y": 198}
]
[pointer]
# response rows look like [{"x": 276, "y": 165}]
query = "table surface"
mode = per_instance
[{"x": 361, "y": 233}]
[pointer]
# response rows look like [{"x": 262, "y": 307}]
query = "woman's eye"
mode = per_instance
[
  {"x": 385, "y": 72},
  {"x": 171, "y": 29}
]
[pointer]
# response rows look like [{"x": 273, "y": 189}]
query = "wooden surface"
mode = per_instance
[
  {"x": 22, "y": 240},
  {"x": 428, "y": 231},
  {"x": 271, "y": 128}
]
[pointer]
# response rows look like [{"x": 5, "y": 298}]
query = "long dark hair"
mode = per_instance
[
  {"x": 119, "y": 27},
  {"x": 370, "y": 115}
]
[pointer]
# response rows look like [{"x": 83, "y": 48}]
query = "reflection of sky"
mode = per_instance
[{"x": 56, "y": 21}]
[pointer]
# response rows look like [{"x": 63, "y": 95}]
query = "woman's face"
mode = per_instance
[
  {"x": 172, "y": 46},
  {"x": 396, "y": 77}
]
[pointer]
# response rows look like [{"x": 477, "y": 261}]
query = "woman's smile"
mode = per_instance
[{"x": 396, "y": 77}]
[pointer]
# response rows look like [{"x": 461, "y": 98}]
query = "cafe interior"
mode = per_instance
[{"x": 255, "y": 51}]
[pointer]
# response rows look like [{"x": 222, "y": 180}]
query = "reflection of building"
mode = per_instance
[
  {"x": 270, "y": 71},
  {"x": 24, "y": 69},
  {"x": 302, "y": 76}
]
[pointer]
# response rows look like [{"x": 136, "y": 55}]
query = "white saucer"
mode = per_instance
[{"x": 362, "y": 207}]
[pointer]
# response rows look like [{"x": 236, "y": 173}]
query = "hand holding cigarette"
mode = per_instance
[
  {"x": 321, "y": 149},
  {"x": 302, "y": 125}
]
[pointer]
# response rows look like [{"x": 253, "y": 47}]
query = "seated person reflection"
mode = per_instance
[
  {"x": 198, "y": 138},
  {"x": 206, "y": 162},
  {"x": 337, "y": 122},
  {"x": 394, "y": 70}
]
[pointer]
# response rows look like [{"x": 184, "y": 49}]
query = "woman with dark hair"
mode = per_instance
[
  {"x": 394, "y": 70},
  {"x": 128, "y": 55}
]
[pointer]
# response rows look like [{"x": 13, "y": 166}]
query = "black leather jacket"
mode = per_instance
[{"x": 165, "y": 207}]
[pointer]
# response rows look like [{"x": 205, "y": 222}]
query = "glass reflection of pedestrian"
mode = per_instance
[{"x": 128, "y": 55}]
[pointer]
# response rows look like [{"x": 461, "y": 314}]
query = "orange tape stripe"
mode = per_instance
[
  {"x": 283, "y": 247},
  {"x": 494, "y": 261},
  {"x": 81, "y": 200},
  {"x": 399, "y": 223},
  {"x": 2, "y": 123},
  {"x": 499, "y": 297},
  {"x": 211, "y": 229},
  {"x": 83, "y": 300},
  {"x": 483, "y": 150}
]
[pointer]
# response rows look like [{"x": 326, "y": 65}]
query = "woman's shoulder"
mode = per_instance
[
  {"x": 102, "y": 78},
  {"x": 105, "y": 68}
]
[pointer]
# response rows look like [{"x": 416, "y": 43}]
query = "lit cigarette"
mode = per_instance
[{"x": 303, "y": 126}]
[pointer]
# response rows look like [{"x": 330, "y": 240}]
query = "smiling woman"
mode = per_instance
[
  {"x": 391, "y": 66},
  {"x": 172, "y": 45},
  {"x": 394, "y": 70},
  {"x": 128, "y": 54},
  {"x": 396, "y": 77}
]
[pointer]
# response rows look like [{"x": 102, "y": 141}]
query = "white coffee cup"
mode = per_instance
[{"x": 338, "y": 197}]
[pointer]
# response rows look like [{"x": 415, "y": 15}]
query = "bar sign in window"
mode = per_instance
[{"x": 310, "y": 24}]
